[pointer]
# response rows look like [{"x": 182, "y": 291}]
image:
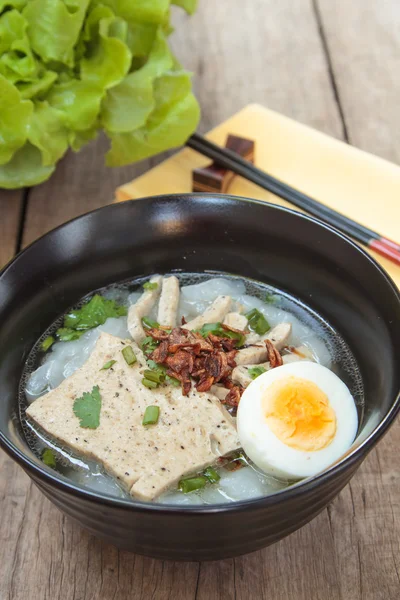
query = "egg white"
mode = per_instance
[{"x": 267, "y": 451}]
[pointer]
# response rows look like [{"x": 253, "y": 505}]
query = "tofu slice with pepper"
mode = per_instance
[
  {"x": 141, "y": 309},
  {"x": 169, "y": 301},
  {"x": 213, "y": 314},
  {"x": 191, "y": 432}
]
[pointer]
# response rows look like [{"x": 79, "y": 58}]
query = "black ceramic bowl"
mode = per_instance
[{"x": 197, "y": 233}]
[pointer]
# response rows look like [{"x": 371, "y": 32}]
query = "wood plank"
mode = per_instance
[
  {"x": 81, "y": 183},
  {"x": 365, "y": 55},
  {"x": 10, "y": 212},
  {"x": 281, "y": 64},
  {"x": 13, "y": 483},
  {"x": 364, "y": 46},
  {"x": 260, "y": 51}
]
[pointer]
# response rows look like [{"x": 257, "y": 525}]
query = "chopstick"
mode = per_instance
[{"x": 230, "y": 160}]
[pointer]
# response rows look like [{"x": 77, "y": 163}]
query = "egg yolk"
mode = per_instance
[{"x": 299, "y": 413}]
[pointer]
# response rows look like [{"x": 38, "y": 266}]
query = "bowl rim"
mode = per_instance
[{"x": 296, "y": 490}]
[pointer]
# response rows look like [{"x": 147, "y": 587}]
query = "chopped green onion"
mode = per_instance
[
  {"x": 150, "y": 286},
  {"x": 149, "y": 345},
  {"x": 108, "y": 365},
  {"x": 151, "y": 415},
  {"x": 154, "y": 375},
  {"x": 192, "y": 484},
  {"x": 211, "y": 474},
  {"x": 173, "y": 381},
  {"x": 149, "y": 323},
  {"x": 129, "y": 355},
  {"x": 239, "y": 337},
  {"x": 257, "y": 322},
  {"x": 152, "y": 385},
  {"x": 271, "y": 299},
  {"x": 48, "y": 458},
  {"x": 255, "y": 372},
  {"x": 47, "y": 343}
]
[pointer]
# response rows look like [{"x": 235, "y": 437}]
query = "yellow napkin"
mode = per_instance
[{"x": 358, "y": 184}]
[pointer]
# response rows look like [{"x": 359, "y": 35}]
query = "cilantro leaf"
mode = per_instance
[
  {"x": 93, "y": 313},
  {"x": 272, "y": 299},
  {"x": 87, "y": 408}
]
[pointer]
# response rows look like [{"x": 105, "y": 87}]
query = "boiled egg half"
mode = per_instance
[{"x": 296, "y": 420}]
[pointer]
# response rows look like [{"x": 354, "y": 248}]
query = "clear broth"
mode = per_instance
[{"x": 308, "y": 327}]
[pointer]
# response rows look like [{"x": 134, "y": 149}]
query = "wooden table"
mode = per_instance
[{"x": 332, "y": 65}]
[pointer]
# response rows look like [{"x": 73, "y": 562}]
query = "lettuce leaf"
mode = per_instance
[
  {"x": 15, "y": 115},
  {"x": 54, "y": 27},
  {"x": 38, "y": 87},
  {"x": 48, "y": 132},
  {"x": 189, "y": 5},
  {"x": 128, "y": 105},
  {"x": 12, "y": 4},
  {"x": 109, "y": 58},
  {"x": 78, "y": 100},
  {"x": 24, "y": 169},
  {"x": 176, "y": 113},
  {"x": 146, "y": 11},
  {"x": 17, "y": 62},
  {"x": 71, "y": 68}
]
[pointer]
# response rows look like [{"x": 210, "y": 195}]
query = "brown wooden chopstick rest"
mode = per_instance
[{"x": 216, "y": 179}]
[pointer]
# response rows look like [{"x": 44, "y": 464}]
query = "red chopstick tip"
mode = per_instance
[{"x": 387, "y": 249}]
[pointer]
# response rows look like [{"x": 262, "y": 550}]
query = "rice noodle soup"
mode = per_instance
[{"x": 190, "y": 389}]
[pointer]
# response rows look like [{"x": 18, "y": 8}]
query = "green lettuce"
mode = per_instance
[
  {"x": 72, "y": 68},
  {"x": 15, "y": 116},
  {"x": 189, "y": 5},
  {"x": 175, "y": 110}
]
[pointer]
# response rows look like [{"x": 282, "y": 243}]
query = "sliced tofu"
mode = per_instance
[
  {"x": 299, "y": 353},
  {"x": 169, "y": 302},
  {"x": 142, "y": 308},
  {"x": 191, "y": 432},
  {"x": 219, "y": 390},
  {"x": 252, "y": 355},
  {"x": 279, "y": 335},
  {"x": 253, "y": 338},
  {"x": 236, "y": 320},
  {"x": 257, "y": 354},
  {"x": 214, "y": 313},
  {"x": 241, "y": 374}
]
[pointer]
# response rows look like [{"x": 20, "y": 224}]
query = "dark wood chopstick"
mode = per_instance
[{"x": 229, "y": 160}]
